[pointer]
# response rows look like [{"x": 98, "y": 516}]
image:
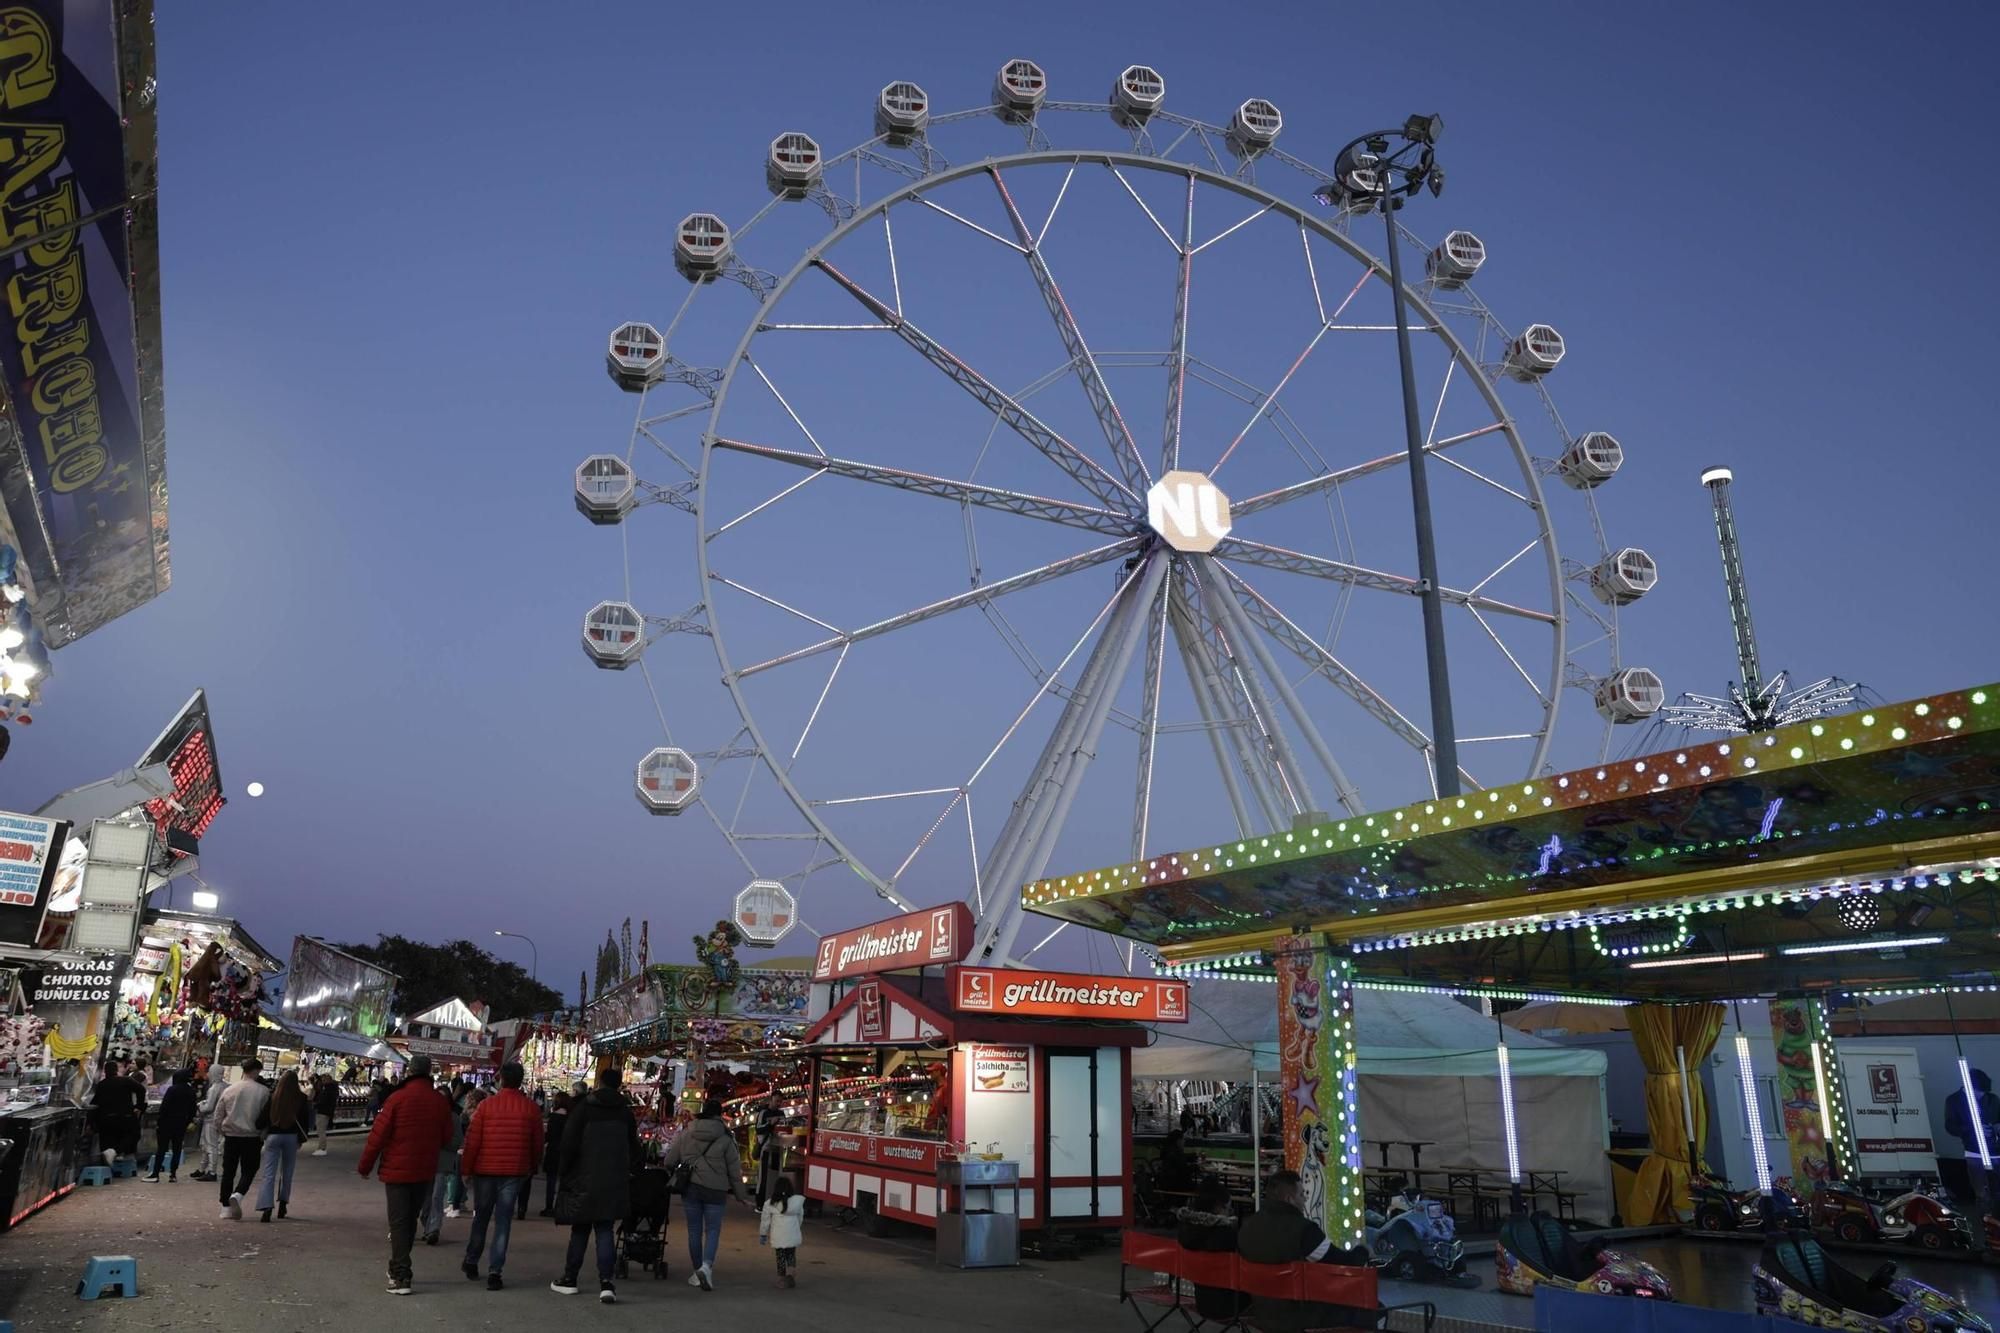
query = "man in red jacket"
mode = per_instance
[
  {"x": 503, "y": 1146},
  {"x": 412, "y": 1128}
]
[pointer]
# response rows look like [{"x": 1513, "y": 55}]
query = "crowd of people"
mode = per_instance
[{"x": 446, "y": 1149}]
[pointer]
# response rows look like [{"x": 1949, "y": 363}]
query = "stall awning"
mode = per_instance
[{"x": 339, "y": 1043}]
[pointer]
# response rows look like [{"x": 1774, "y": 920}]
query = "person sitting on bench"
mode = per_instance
[
  {"x": 1279, "y": 1233},
  {"x": 1209, "y": 1225}
]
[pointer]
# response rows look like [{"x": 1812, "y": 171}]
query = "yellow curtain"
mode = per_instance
[{"x": 1658, "y": 1030}]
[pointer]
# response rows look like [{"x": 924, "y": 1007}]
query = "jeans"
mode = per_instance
[
  {"x": 523, "y": 1197},
  {"x": 167, "y": 1152},
  {"x": 432, "y": 1220},
  {"x": 281, "y": 1154},
  {"x": 405, "y": 1202},
  {"x": 325, "y": 1123},
  {"x": 607, "y": 1249},
  {"x": 239, "y": 1163},
  {"x": 493, "y": 1198},
  {"x": 549, "y": 1199},
  {"x": 704, "y": 1227}
]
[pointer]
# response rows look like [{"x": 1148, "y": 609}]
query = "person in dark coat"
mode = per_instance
[
  {"x": 177, "y": 1111},
  {"x": 559, "y": 1109},
  {"x": 326, "y": 1098},
  {"x": 117, "y": 1102},
  {"x": 600, "y": 1153},
  {"x": 1281, "y": 1233},
  {"x": 1176, "y": 1163},
  {"x": 1209, "y": 1224}
]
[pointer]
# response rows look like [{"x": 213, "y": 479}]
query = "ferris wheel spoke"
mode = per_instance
[
  {"x": 1117, "y": 435},
  {"x": 963, "y": 492},
  {"x": 991, "y": 235},
  {"x": 1231, "y": 231},
  {"x": 1222, "y": 736},
  {"x": 1177, "y": 357},
  {"x": 1360, "y": 576},
  {"x": 1323, "y": 661},
  {"x": 1230, "y": 598},
  {"x": 1270, "y": 400},
  {"x": 1109, "y": 491},
  {"x": 1151, "y": 216},
  {"x": 972, "y": 597},
  {"x": 1234, "y": 640},
  {"x": 1508, "y": 653},
  {"x": 1326, "y": 481}
]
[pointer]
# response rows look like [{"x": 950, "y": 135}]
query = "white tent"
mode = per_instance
[{"x": 1429, "y": 1072}]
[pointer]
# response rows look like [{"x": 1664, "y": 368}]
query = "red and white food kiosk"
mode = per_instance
[{"x": 908, "y": 1069}]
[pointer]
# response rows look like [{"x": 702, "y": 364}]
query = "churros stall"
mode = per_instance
[{"x": 912, "y": 1068}]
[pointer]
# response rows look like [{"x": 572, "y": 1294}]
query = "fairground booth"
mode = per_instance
[
  {"x": 918, "y": 1061},
  {"x": 337, "y": 1009},
  {"x": 1855, "y": 855},
  {"x": 684, "y": 1032}
]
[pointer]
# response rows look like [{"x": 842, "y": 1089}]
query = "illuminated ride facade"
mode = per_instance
[{"x": 1719, "y": 872}]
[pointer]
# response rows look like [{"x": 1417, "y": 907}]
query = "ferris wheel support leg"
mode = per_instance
[
  {"x": 1222, "y": 704},
  {"x": 1298, "y": 794},
  {"x": 1077, "y": 761},
  {"x": 1210, "y": 723},
  {"x": 1343, "y": 789},
  {"x": 1018, "y": 835}
]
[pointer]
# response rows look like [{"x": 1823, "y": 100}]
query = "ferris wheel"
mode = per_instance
[{"x": 1048, "y": 440}]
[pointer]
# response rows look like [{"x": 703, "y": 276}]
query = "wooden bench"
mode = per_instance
[{"x": 1176, "y": 1271}]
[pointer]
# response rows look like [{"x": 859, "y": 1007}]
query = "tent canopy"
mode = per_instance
[{"x": 1233, "y": 1024}]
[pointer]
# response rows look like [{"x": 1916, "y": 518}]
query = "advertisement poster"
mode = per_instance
[
  {"x": 1798, "y": 1095},
  {"x": 1000, "y": 1068},
  {"x": 82, "y": 439},
  {"x": 1892, "y": 1121},
  {"x": 30, "y": 850},
  {"x": 932, "y": 935}
]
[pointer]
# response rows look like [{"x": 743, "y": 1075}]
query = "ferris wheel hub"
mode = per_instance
[{"x": 1189, "y": 511}]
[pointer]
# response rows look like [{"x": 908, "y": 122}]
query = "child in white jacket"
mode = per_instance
[{"x": 782, "y": 1227}]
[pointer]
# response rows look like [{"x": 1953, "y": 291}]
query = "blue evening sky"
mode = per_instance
[{"x": 394, "y": 237}]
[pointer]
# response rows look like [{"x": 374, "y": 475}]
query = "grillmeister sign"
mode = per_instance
[
  {"x": 1007, "y": 990},
  {"x": 933, "y": 935}
]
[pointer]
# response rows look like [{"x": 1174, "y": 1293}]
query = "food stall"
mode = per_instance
[
  {"x": 910, "y": 1070},
  {"x": 453, "y": 1034},
  {"x": 552, "y": 1049}
]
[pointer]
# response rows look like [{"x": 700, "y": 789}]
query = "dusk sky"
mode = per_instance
[{"x": 394, "y": 238}]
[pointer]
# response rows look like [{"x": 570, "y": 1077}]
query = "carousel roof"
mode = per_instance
[{"x": 1844, "y": 853}]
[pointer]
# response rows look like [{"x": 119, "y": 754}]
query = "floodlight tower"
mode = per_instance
[{"x": 1753, "y": 704}]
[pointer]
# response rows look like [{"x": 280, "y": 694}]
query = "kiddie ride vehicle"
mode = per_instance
[
  {"x": 1719, "y": 1208},
  {"x": 1538, "y": 1250},
  {"x": 1418, "y": 1242},
  {"x": 1916, "y": 1217},
  {"x": 1796, "y": 1279}
]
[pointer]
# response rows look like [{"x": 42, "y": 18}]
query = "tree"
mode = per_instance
[{"x": 430, "y": 974}]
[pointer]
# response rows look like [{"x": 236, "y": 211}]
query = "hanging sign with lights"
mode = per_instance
[
  {"x": 187, "y": 748},
  {"x": 1007, "y": 990},
  {"x": 933, "y": 935}
]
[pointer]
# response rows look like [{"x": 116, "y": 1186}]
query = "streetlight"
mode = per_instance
[
  {"x": 534, "y": 954},
  {"x": 1382, "y": 170}
]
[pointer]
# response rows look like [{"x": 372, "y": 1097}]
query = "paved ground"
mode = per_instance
[{"x": 324, "y": 1268}]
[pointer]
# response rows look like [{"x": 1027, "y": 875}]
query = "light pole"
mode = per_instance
[
  {"x": 534, "y": 954},
  {"x": 1389, "y": 166}
]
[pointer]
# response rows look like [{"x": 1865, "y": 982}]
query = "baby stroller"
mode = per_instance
[{"x": 642, "y": 1236}]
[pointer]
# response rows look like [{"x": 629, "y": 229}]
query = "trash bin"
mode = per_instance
[{"x": 979, "y": 1214}]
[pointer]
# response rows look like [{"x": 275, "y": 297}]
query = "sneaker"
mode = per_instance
[
  {"x": 225, "y": 1214},
  {"x": 607, "y": 1294},
  {"x": 398, "y": 1287},
  {"x": 470, "y": 1269},
  {"x": 430, "y": 1238},
  {"x": 171, "y": 1180},
  {"x": 790, "y": 1281},
  {"x": 236, "y": 1206},
  {"x": 564, "y": 1286},
  {"x": 110, "y": 1157},
  {"x": 150, "y": 1180},
  {"x": 493, "y": 1282},
  {"x": 705, "y": 1276},
  {"x": 453, "y": 1212},
  {"x": 694, "y": 1278},
  {"x": 319, "y": 1152}
]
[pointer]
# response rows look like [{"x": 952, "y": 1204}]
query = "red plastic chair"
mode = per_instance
[{"x": 1161, "y": 1255}]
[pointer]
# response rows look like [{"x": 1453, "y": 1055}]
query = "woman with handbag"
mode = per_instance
[
  {"x": 600, "y": 1152},
  {"x": 289, "y": 1117},
  {"x": 707, "y": 1169}
]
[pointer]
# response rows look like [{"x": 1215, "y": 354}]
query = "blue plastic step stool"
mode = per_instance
[
  {"x": 105, "y": 1271},
  {"x": 122, "y": 1167},
  {"x": 94, "y": 1175}
]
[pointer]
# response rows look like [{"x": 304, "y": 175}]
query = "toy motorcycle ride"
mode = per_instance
[
  {"x": 1537, "y": 1250},
  {"x": 1928, "y": 1221},
  {"x": 1418, "y": 1242},
  {"x": 1717, "y": 1207},
  {"x": 1796, "y": 1279},
  {"x": 1850, "y": 1215}
]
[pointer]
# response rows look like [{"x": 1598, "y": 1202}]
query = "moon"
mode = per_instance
[{"x": 255, "y": 789}]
